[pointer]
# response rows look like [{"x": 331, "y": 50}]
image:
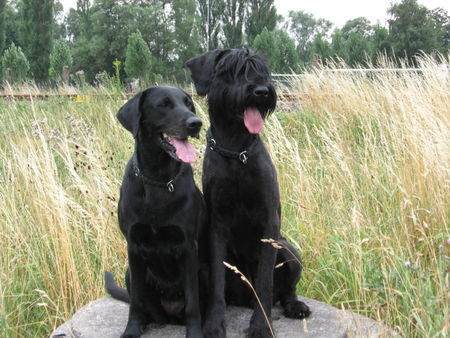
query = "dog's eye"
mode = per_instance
[
  {"x": 164, "y": 103},
  {"x": 188, "y": 102}
]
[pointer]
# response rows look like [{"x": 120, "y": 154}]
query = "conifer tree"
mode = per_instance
[{"x": 138, "y": 60}]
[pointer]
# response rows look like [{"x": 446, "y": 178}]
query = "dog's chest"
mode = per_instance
[{"x": 161, "y": 247}]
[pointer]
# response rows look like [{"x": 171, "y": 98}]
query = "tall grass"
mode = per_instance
[
  {"x": 364, "y": 174},
  {"x": 363, "y": 165}
]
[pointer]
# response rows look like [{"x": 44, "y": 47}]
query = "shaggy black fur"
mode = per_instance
[
  {"x": 241, "y": 192},
  {"x": 161, "y": 214}
]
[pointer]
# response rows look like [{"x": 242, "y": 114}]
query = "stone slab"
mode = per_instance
[{"x": 107, "y": 318}]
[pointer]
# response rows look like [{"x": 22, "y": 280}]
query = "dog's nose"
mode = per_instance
[
  {"x": 261, "y": 91},
  {"x": 193, "y": 123}
]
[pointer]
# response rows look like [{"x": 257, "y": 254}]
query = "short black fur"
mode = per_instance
[
  {"x": 242, "y": 197},
  {"x": 161, "y": 214}
]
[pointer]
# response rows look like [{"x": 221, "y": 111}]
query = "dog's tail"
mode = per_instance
[{"x": 114, "y": 290}]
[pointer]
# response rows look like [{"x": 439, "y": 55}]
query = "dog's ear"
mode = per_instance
[
  {"x": 202, "y": 69},
  {"x": 129, "y": 115}
]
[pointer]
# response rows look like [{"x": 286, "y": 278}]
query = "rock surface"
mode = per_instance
[{"x": 107, "y": 318}]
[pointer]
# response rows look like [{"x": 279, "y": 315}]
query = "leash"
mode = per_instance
[
  {"x": 241, "y": 156},
  {"x": 169, "y": 185}
]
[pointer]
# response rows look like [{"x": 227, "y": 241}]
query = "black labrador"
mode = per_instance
[
  {"x": 241, "y": 192},
  {"x": 161, "y": 213}
]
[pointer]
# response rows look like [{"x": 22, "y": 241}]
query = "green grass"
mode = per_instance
[{"x": 363, "y": 167}]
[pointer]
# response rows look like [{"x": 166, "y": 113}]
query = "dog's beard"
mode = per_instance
[{"x": 253, "y": 120}]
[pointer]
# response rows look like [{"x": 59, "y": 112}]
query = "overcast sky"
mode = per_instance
[{"x": 336, "y": 11}]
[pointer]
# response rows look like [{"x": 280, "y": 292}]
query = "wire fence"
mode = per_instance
[{"x": 283, "y": 82}]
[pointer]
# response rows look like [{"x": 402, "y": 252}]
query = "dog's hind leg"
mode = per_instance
[{"x": 286, "y": 277}]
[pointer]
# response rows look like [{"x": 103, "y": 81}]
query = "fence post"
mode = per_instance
[
  {"x": 65, "y": 75},
  {"x": 8, "y": 77},
  {"x": 316, "y": 61}
]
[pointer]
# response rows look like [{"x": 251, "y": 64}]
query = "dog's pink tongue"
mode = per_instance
[
  {"x": 185, "y": 151},
  {"x": 253, "y": 120}
]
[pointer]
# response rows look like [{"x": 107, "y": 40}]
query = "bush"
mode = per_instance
[
  {"x": 60, "y": 56},
  {"x": 279, "y": 49},
  {"x": 15, "y": 59},
  {"x": 138, "y": 60}
]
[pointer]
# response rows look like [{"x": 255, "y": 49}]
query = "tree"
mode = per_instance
[
  {"x": 209, "y": 12},
  {"x": 305, "y": 27},
  {"x": 380, "y": 41},
  {"x": 186, "y": 34},
  {"x": 138, "y": 61},
  {"x": 320, "y": 46},
  {"x": 412, "y": 29},
  {"x": 442, "y": 20},
  {"x": 358, "y": 36},
  {"x": 78, "y": 21},
  {"x": 60, "y": 56},
  {"x": 36, "y": 35},
  {"x": 359, "y": 25},
  {"x": 233, "y": 23},
  {"x": 260, "y": 14},
  {"x": 338, "y": 45},
  {"x": 278, "y": 49},
  {"x": 358, "y": 49},
  {"x": 59, "y": 28},
  {"x": 12, "y": 23},
  {"x": 15, "y": 59},
  {"x": 2, "y": 25}
]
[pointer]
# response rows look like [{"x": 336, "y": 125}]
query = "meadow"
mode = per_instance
[{"x": 363, "y": 166}]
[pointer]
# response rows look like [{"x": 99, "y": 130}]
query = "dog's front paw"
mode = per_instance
[
  {"x": 259, "y": 332},
  {"x": 194, "y": 332},
  {"x": 214, "y": 329},
  {"x": 132, "y": 331},
  {"x": 297, "y": 310}
]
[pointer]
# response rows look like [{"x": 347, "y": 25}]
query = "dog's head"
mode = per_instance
[
  {"x": 165, "y": 116},
  {"x": 238, "y": 85}
]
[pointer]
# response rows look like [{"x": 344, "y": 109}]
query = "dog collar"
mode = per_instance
[
  {"x": 169, "y": 185},
  {"x": 241, "y": 156}
]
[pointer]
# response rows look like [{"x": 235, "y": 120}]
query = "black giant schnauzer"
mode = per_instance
[
  {"x": 161, "y": 213},
  {"x": 241, "y": 192}
]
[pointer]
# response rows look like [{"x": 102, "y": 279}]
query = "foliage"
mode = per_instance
[
  {"x": 2, "y": 25},
  {"x": 359, "y": 25},
  {"x": 321, "y": 47},
  {"x": 186, "y": 34},
  {"x": 278, "y": 48},
  {"x": 11, "y": 22},
  {"x": 209, "y": 13},
  {"x": 233, "y": 17},
  {"x": 174, "y": 31},
  {"x": 58, "y": 26},
  {"x": 305, "y": 28},
  {"x": 261, "y": 14},
  {"x": 413, "y": 28},
  {"x": 61, "y": 56},
  {"x": 15, "y": 59},
  {"x": 138, "y": 60},
  {"x": 36, "y": 35}
]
